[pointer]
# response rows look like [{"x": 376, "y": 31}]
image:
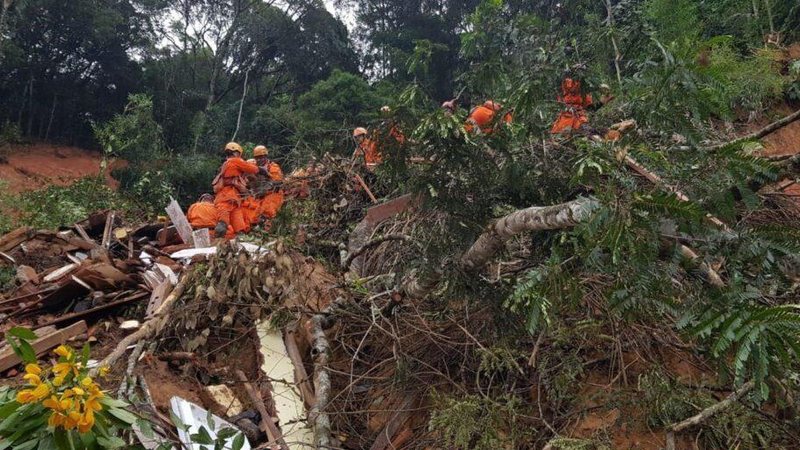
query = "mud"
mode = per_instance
[{"x": 36, "y": 166}]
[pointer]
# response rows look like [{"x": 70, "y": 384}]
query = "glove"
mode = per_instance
[{"x": 221, "y": 229}]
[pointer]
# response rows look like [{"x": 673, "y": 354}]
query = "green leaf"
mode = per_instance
[
  {"x": 27, "y": 353},
  {"x": 22, "y": 333},
  {"x": 27, "y": 445},
  {"x": 146, "y": 428},
  {"x": 8, "y": 408},
  {"x": 85, "y": 354},
  {"x": 114, "y": 403},
  {"x": 238, "y": 442},
  {"x": 110, "y": 442},
  {"x": 202, "y": 437},
  {"x": 122, "y": 415}
]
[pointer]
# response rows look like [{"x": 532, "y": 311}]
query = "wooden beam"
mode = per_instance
[
  {"x": 180, "y": 221},
  {"x": 9, "y": 359},
  {"x": 79, "y": 315}
]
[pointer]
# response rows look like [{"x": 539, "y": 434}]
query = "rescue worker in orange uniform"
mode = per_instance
[
  {"x": 229, "y": 185},
  {"x": 367, "y": 149},
  {"x": 574, "y": 116},
  {"x": 203, "y": 214},
  {"x": 271, "y": 203},
  {"x": 482, "y": 117}
]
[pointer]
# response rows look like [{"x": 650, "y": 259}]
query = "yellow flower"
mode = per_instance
[
  {"x": 41, "y": 391},
  {"x": 33, "y": 369},
  {"x": 86, "y": 422},
  {"x": 92, "y": 404},
  {"x": 71, "y": 420},
  {"x": 52, "y": 403},
  {"x": 32, "y": 379},
  {"x": 104, "y": 371},
  {"x": 56, "y": 419},
  {"x": 26, "y": 396},
  {"x": 87, "y": 382},
  {"x": 78, "y": 391},
  {"x": 64, "y": 351},
  {"x": 58, "y": 381},
  {"x": 62, "y": 369}
]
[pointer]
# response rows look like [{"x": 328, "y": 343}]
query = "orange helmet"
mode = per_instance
[
  {"x": 493, "y": 105},
  {"x": 360, "y": 131},
  {"x": 260, "y": 151},
  {"x": 233, "y": 147}
]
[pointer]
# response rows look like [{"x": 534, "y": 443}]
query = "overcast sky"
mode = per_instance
[{"x": 346, "y": 15}]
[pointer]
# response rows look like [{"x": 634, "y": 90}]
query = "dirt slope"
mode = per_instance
[{"x": 35, "y": 166}]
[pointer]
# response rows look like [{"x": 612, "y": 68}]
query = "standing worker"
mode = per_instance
[
  {"x": 367, "y": 149},
  {"x": 574, "y": 116},
  {"x": 481, "y": 117},
  {"x": 229, "y": 185}
]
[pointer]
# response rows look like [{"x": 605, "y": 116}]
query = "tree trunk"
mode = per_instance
[
  {"x": 617, "y": 55},
  {"x": 535, "y": 218},
  {"x": 241, "y": 106},
  {"x": 50, "y": 122},
  {"x": 30, "y": 106},
  {"x": 4, "y": 17}
]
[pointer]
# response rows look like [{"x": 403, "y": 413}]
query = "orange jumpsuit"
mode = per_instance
[
  {"x": 272, "y": 202},
  {"x": 482, "y": 117},
  {"x": 229, "y": 200},
  {"x": 575, "y": 115},
  {"x": 203, "y": 215},
  {"x": 369, "y": 150}
]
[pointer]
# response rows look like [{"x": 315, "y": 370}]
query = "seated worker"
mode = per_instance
[
  {"x": 574, "y": 116},
  {"x": 203, "y": 214},
  {"x": 481, "y": 118},
  {"x": 366, "y": 148},
  {"x": 229, "y": 186},
  {"x": 273, "y": 196}
]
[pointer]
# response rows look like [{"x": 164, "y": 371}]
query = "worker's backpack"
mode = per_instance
[{"x": 219, "y": 182}]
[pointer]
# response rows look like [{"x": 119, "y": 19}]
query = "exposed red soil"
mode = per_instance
[
  {"x": 32, "y": 167},
  {"x": 785, "y": 141}
]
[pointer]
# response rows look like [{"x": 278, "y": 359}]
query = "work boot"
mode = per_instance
[{"x": 221, "y": 229}]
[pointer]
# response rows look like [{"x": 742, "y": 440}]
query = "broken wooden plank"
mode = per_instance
[
  {"x": 301, "y": 378},
  {"x": 379, "y": 213},
  {"x": 67, "y": 318},
  {"x": 60, "y": 273},
  {"x": 180, "y": 221},
  {"x": 106, "y": 242},
  {"x": 9, "y": 359},
  {"x": 160, "y": 292},
  {"x": 14, "y": 238},
  {"x": 82, "y": 232},
  {"x": 201, "y": 238}
]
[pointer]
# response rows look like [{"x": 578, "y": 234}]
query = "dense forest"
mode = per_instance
[{"x": 538, "y": 268}]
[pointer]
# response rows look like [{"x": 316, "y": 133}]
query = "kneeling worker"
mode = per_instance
[
  {"x": 229, "y": 185},
  {"x": 203, "y": 214}
]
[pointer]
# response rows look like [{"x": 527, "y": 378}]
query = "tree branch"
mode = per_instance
[
  {"x": 760, "y": 133},
  {"x": 706, "y": 413},
  {"x": 535, "y": 218}
]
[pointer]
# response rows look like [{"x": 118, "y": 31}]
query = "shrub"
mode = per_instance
[{"x": 59, "y": 406}]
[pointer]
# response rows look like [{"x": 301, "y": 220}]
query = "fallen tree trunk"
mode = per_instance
[
  {"x": 322, "y": 383},
  {"x": 535, "y": 218}
]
